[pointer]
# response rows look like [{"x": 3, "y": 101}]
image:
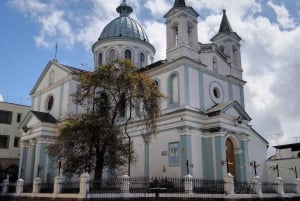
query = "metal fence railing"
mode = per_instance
[
  {"x": 111, "y": 185},
  {"x": 208, "y": 186},
  {"x": 290, "y": 187},
  {"x": 241, "y": 187},
  {"x": 267, "y": 187},
  {"x": 46, "y": 188},
  {"x": 70, "y": 187},
  {"x": 27, "y": 188}
]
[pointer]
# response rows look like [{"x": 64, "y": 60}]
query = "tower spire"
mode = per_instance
[
  {"x": 124, "y": 9},
  {"x": 225, "y": 25},
  {"x": 179, "y": 3}
]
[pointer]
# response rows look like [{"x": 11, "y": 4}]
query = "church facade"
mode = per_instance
[{"x": 204, "y": 129}]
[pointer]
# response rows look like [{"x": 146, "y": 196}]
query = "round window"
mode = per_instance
[
  {"x": 50, "y": 101},
  {"x": 216, "y": 92}
]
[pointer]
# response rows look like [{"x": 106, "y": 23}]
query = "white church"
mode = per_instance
[{"x": 204, "y": 129}]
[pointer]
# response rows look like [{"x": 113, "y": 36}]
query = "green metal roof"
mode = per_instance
[{"x": 124, "y": 26}]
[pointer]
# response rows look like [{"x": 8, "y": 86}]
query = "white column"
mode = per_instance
[
  {"x": 188, "y": 184},
  {"x": 37, "y": 159},
  {"x": 297, "y": 182},
  {"x": 58, "y": 184},
  {"x": 36, "y": 185},
  {"x": 125, "y": 184},
  {"x": 84, "y": 184},
  {"x": 257, "y": 185},
  {"x": 19, "y": 187},
  {"x": 229, "y": 184},
  {"x": 23, "y": 159},
  {"x": 30, "y": 163},
  {"x": 5, "y": 184},
  {"x": 279, "y": 182}
]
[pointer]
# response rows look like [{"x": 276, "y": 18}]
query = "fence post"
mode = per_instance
[
  {"x": 125, "y": 184},
  {"x": 5, "y": 184},
  {"x": 57, "y": 184},
  {"x": 188, "y": 183},
  {"x": 297, "y": 183},
  {"x": 279, "y": 182},
  {"x": 257, "y": 185},
  {"x": 36, "y": 185},
  {"x": 229, "y": 184},
  {"x": 84, "y": 184},
  {"x": 19, "y": 187}
]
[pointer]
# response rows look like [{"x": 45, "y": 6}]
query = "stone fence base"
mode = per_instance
[{"x": 13, "y": 198}]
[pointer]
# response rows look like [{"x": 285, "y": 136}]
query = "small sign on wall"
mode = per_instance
[{"x": 164, "y": 153}]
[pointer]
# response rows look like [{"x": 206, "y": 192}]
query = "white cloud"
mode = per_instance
[
  {"x": 1, "y": 98},
  {"x": 157, "y": 36},
  {"x": 283, "y": 16},
  {"x": 158, "y": 7},
  {"x": 34, "y": 7}
]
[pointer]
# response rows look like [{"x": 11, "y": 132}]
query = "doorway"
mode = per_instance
[{"x": 230, "y": 157}]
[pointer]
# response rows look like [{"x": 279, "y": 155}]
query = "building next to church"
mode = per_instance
[
  {"x": 285, "y": 163},
  {"x": 10, "y": 117},
  {"x": 204, "y": 129}
]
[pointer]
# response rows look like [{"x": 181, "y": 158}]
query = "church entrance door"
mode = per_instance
[{"x": 230, "y": 157}]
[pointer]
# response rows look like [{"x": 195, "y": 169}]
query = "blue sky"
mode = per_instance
[{"x": 270, "y": 30}]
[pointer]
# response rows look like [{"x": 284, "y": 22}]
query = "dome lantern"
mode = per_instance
[{"x": 124, "y": 9}]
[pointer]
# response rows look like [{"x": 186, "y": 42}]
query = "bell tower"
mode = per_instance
[
  {"x": 229, "y": 42},
  {"x": 182, "y": 33}
]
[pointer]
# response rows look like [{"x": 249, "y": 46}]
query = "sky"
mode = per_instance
[{"x": 270, "y": 32}]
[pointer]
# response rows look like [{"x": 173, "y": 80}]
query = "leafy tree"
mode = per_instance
[{"x": 97, "y": 138}]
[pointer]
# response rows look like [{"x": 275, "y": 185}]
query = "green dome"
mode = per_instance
[{"x": 124, "y": 26}]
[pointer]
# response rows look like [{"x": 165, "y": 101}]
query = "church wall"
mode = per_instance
[
  {"x": 236, "y": 93},
  {"x": 193, "y": 88},
  {"x": 257, "y": 152},
  {"x": 68, "y": 106},
  {"x": 221, "y": 66},
  {"x": 209, "y": 82},
  {"x": 121, "y": 45},
  {"x": 197, "y": 158},
  {"x": 139, "y": 165},
  {"x": 160, "y": 158}
]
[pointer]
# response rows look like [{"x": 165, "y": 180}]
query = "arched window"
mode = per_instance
[
  {"x": 127, "y": 54},
  {"x": 49, "y": 102},
  {"x": 235, "y": 55},
  {"x": 142, "y": 60},
  {"x": 112, "y": 56},
  {"x": 215, "y": 65},
  {"x": 190, "y": 33},
  {"x": 175, "y": 37},
  {"x": 137, "y": 107},
  {"x": 100, "y": 59},
  {"x": 122, "y": 105},
  {"x": 103, "y": 104},
  {"x": 173, "y": 89},
  {"x": 222, "y": 48}
]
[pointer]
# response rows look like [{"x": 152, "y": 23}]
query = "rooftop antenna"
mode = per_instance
[
  {"x": 55, "y": 50},
  {"x": 296, "y": 139}
]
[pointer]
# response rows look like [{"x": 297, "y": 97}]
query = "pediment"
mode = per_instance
[
  {"x": 232, "y": 108},
  {"x": 35, "y": 117},
  {"x": 52, "y": 73}
]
